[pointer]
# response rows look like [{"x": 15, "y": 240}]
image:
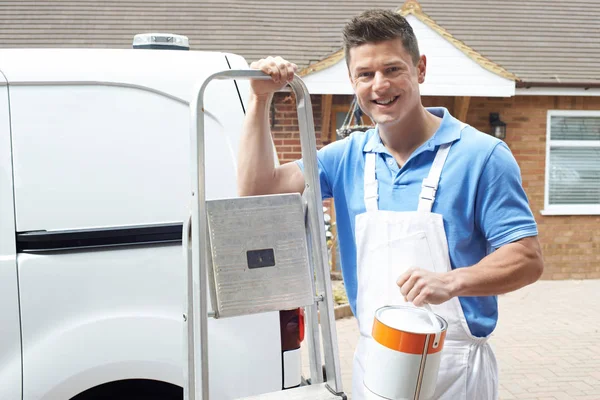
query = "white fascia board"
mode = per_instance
[{"x": 554, "y": 91}]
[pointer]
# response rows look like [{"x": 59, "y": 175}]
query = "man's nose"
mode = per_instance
[{"x": 381, "y": 82}]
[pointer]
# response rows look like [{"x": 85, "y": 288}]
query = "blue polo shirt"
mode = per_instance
[{"x": 480, "y": 197}]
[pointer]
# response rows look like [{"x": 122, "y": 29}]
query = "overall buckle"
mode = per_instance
[
  {"x": 428, "y": 189},
  {"x": 371, "y": 190}
]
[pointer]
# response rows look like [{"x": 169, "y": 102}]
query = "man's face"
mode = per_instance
[{"x": 385, "y": 80}]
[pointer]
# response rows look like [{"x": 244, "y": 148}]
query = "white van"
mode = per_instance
[{"x": 94, "y": 186}]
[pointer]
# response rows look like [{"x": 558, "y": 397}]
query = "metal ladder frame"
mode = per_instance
[{"x": 196, "y": 317}]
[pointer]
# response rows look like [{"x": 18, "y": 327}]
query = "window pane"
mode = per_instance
[
  {"x": 575, "y": 128},
  {"x": 339, "y": 118},
  {"x": 574, "y": 176}
]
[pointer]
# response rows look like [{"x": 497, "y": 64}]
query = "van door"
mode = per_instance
[
  {"x": 10, "y": 330},
  {"x": 99, "y": 154}
]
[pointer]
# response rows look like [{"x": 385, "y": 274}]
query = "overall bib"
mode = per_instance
[{"x": 388, "y": 243}]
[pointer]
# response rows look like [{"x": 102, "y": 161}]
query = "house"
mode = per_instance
[{"x": 532, "y": 65}]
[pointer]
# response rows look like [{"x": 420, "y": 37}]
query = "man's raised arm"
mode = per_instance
[{"x": 257, "y": 173}]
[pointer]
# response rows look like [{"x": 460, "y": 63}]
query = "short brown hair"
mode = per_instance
[{"x": 373, "y": 26}]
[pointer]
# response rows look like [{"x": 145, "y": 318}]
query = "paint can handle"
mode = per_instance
[{"x": 436, "y": 324}]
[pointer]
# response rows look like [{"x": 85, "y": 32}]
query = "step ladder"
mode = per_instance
[{"x": 243, "y": 259}]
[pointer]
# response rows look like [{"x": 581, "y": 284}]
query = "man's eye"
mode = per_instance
[
  {"x": 393, "y": 69},
  {"x": 364, "y": 74}
]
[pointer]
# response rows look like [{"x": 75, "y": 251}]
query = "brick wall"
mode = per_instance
[
  {"x": 284, "y": 126},
  {"x": 570, "y": 244}
]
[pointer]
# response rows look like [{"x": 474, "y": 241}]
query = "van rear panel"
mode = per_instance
[
  {"x": 100, "y": 145},
  {"x": 101, "y": 153}
]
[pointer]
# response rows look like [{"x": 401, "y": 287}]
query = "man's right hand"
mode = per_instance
[{"x": 281, "y": 72}]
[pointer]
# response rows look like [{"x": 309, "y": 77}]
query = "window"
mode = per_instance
[{"x": 572, "y": 163}]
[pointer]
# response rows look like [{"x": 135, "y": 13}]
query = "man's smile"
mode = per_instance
[{"x": 385, "y": 102}]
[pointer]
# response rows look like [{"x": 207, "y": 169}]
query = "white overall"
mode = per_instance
[{"x": 390, "y": 242}]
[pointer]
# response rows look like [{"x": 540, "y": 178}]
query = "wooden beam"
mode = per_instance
[
  {"x": 461, "y": 108},
  {"x": 326, "y": 101}
]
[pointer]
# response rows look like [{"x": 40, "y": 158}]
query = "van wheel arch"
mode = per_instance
[{"x": 133, "y": 389}]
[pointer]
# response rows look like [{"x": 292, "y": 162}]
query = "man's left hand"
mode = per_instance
[{"x": 420, "y": 286}]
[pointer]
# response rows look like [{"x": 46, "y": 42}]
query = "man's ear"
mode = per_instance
[{"x": 422, "y": 68}]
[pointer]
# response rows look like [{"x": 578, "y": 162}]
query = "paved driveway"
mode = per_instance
[{"x": 547, "y": 342}]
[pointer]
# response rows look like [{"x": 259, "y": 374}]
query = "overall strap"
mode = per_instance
[
  {"x": 430, "y": 184},
  {"x": 371, "y": 185}
]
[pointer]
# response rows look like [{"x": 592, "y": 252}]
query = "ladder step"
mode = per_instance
[
  {"x": 259, "y": 254},
  {"x": 311, "y": 392}
]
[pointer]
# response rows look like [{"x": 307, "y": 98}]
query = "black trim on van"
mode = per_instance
[
  {"x": 37, "y": 241},
  {"x": 237, "y": 89}
]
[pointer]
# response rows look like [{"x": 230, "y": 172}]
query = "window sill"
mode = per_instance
[{"x": 571, "y": 210}]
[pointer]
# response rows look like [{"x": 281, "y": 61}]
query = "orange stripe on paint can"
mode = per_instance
[{"x": 406, "y": 342}]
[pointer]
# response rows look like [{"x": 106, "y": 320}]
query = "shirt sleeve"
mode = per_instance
[
  {"x": 328, "y": 159},
  {"x": 502, "y": 210}
]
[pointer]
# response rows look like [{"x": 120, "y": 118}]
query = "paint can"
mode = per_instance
[{"x": 404, "y": 356}]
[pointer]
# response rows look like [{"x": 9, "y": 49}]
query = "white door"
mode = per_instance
[
  {"x": 10, "y": 337},
  {"x": 101, "y": 158}
]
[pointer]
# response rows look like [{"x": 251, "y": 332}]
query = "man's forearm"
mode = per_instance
[
  {"x": 509, "y": 268},
  {"x": 256, "y": 165}
]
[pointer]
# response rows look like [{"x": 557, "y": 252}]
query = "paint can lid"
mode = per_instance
[{"x": 407, "y": 319}]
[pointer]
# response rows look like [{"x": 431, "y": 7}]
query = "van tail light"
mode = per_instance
[
  {"x": 291, "y": 324},
  {"x": 301, "y": 323},
  {"x": 292, "y": 328}
]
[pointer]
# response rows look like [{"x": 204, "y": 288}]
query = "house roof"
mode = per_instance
[{"x": 541, "y": 42}]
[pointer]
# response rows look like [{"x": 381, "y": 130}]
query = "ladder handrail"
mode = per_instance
[{"x": 196, "y": 376}]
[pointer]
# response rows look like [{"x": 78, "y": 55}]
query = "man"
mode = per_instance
[{"x": 429, "y": 210}]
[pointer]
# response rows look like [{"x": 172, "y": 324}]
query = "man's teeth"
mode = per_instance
[{"x": 384, "y": 102}]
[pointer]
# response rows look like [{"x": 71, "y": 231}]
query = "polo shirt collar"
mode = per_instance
[
  {"x": 374, "y": 144},
  {"x": 449, "y": 131}
]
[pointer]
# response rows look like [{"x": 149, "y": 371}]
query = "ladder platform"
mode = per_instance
[
  {"x": 259, "y": 254},
  {"x": 318, "y": 391}
]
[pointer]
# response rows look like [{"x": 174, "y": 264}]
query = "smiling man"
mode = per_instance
[{"x": 429, "y": 210}]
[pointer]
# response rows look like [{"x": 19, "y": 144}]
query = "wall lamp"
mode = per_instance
[{"x": 498, "y": 127}]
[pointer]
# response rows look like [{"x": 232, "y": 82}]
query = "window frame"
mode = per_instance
[
  {"x": 335, "y": 108},
  {"x": 566, "y": 209}
]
